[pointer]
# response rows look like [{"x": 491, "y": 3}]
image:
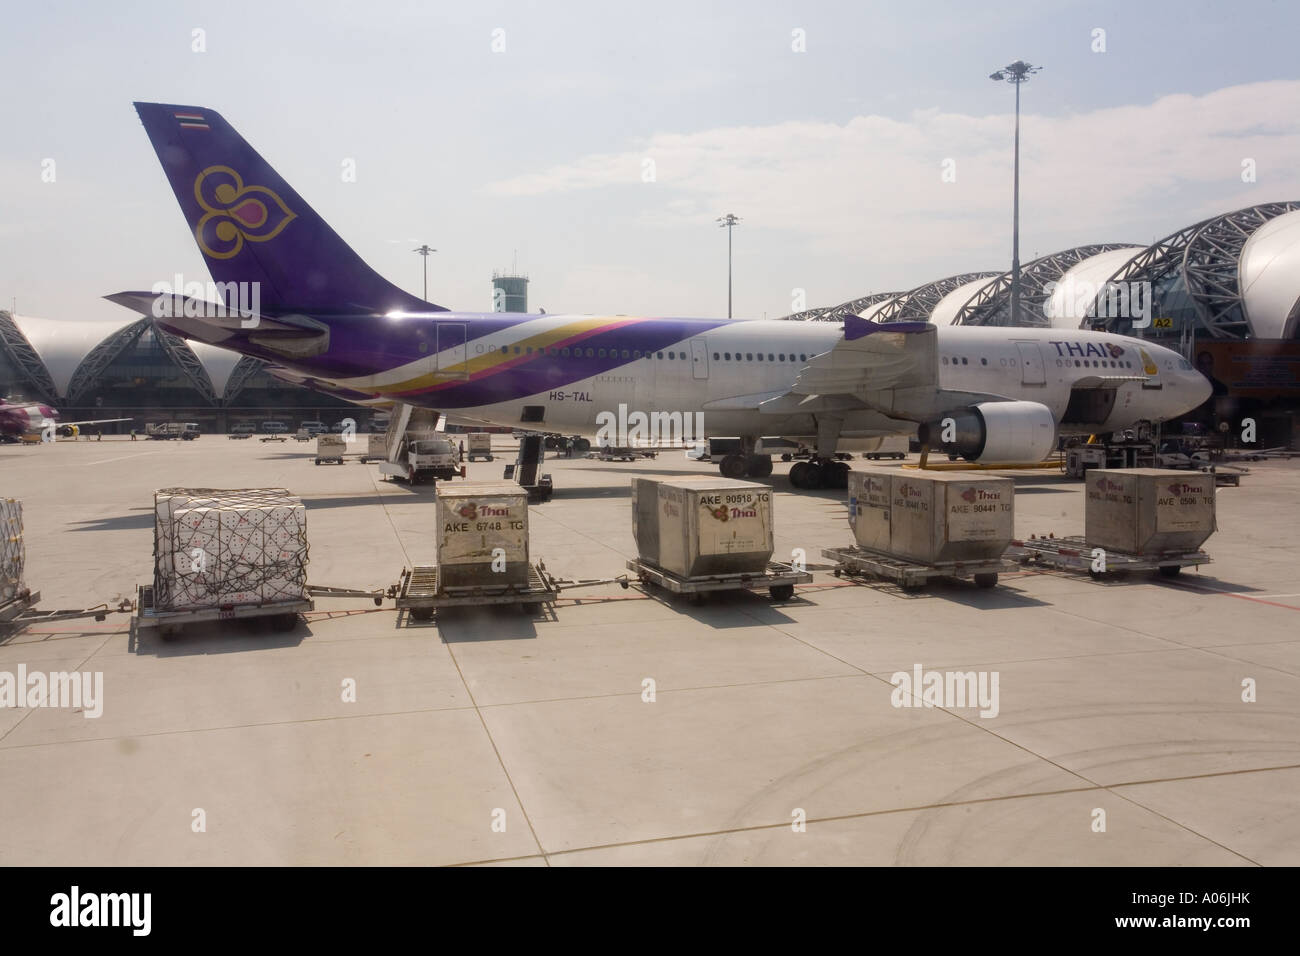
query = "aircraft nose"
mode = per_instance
[{"x": 1201, "y": 388}]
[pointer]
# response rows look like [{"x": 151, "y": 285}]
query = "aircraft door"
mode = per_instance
[
  {"x": 451, "y": 357},
  {"x": 700, "y": 358},
  {"x": 1031, "y": 364}
]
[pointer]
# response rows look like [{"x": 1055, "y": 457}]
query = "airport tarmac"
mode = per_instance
[{"x": 491, "y": 736}]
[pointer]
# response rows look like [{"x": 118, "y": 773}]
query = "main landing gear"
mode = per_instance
[
  {"x": 746, "y": 466},
  {"x": 819, "y": 473}
]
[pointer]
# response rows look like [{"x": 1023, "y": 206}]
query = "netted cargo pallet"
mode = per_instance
[
  {"x": 13, "y": 553},
  {"x": 228, "y": 547}
]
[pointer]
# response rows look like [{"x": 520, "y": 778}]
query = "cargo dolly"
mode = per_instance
[
  {"x": 1075, "y": 554},
  {"x": 779, "y": 579},
  {"x": 283, "y": 615},
  {"x": 910, "y": 575},
  {"x": 420, "y": 593}
]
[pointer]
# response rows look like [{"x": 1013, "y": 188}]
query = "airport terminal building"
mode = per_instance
[{"x": 136, "y": 370}]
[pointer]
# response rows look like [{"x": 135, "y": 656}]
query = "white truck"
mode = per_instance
[{"x": 416, "y": 451}]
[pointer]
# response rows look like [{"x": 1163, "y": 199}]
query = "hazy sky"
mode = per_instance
[{"x": 833, "y": 157}]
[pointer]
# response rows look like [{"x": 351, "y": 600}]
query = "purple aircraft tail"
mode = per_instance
[{"x": 251, "y": 226}]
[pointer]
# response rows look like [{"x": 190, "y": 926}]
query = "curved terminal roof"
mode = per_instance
[
  {"x": 1269, "y": 277},
  {"x": 945, "y": 310},
  {"x": 63, "y": 344},
  {"x": 1071, "y": 300}
]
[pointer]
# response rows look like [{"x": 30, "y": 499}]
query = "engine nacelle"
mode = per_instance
[{"x": 995, "y": 432}]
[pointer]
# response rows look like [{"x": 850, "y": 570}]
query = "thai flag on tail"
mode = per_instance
[{"x": 191, "y": 120}]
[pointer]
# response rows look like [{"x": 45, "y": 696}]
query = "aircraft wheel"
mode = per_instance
[
  {"x": 733, "y": 466},
  {"x": 786, "y": 456},
  {"x": 760, "y": 466},
  {"x": 836, "y": 474},
  {"x": 807, "y": 475},
  {"x": 781, "y": 592}
]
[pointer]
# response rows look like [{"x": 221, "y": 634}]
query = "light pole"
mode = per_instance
[
  {"x": 424, "y": 250},
  {"x": 728, "y": 222},
  {"x": 1016, "y": 73}
]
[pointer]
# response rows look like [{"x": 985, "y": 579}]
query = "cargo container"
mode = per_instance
[
  {"x": 13, "y": 552},
  {"x": 218, "y": 547},
  {"x": 869, "y": 502},
  {"x": 478, "y": 445},
  {"x": 932, "y": 518},
  {"x": 1148, "y": 510},
  {"x": 330, "y": 448},
  {"x": 482, "y": 536},
  {"x": 697, "y": 526}
]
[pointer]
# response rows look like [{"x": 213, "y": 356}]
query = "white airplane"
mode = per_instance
[{"x": 328, "y": 321}]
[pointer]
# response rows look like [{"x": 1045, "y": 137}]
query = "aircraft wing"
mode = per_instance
[
  {"x": 93, "y": 421},
  {"x": 891, "y": 368}
]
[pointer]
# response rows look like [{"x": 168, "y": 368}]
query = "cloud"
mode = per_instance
[{"x": 877, "y": 182}]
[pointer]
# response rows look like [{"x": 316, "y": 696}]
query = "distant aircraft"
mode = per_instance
[
  {"x": 328, "y": 321},
  {"x": 29, "y": 419}
]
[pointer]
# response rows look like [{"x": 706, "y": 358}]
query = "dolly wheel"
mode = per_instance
[
  {"x": 422, "y": 613},
  {"x": 781, "y": 592},
  {"x": 1170, "y": 570},
  {"x": 168, "y": 633},
  {"x": 531, "y": 607},
  {"x": 986, "y": 580},
  {"x": 284, "y": 622}
]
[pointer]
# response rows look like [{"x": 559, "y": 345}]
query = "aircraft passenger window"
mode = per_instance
[
  {"x": 478, "y": 348},
  {"x": 945, "y": 360},
  {"x": 715, "y": 356},
  {"x": 517, "y": 350},
  {"x": 564, "y": 352},
  {"x": 760, "y": 356},
  {"x": 803, "y": 357},
  {"x": 591, "y": 353},
  {"x": 659, "y": 355},
  {"x": 626, "y": 354},
  {"x": 600, "y": 353},
  {"x": 672, "y": 355},
  {"x": 636, "y": 353},
  {"x": 749, "y": 356},
  {"x": 770, "y": 357},
  {"x": 1077, "y": 363},
  {"x": 727, "y": 355},
  {"x": 984, "y": 361},
  {"x": 781, "y": 356},
  {"x": 964, "y": 361}
]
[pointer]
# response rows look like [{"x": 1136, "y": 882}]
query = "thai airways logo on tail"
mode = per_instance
[{"x": 234, "y": 212}]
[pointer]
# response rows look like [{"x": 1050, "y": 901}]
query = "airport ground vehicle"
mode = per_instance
[
  {"x": 274, "y": 428},
  {"x": 526, "y": 470},
  {"x": 894, "y": 446},
  {"x": 424, "y": 459},
  {"x": 478, "y": 445},
  {"x": 242, "y": 430},
  {"x": 167, "y": 431},
  {"x": 313, "y": 428}
]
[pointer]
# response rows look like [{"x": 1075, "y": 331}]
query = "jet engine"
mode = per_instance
[{"x": 994, "y": 432}]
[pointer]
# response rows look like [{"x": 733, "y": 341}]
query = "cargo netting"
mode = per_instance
[
  {"x": 215, "y": 547},
  {"x": 12, "y": 552}
]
